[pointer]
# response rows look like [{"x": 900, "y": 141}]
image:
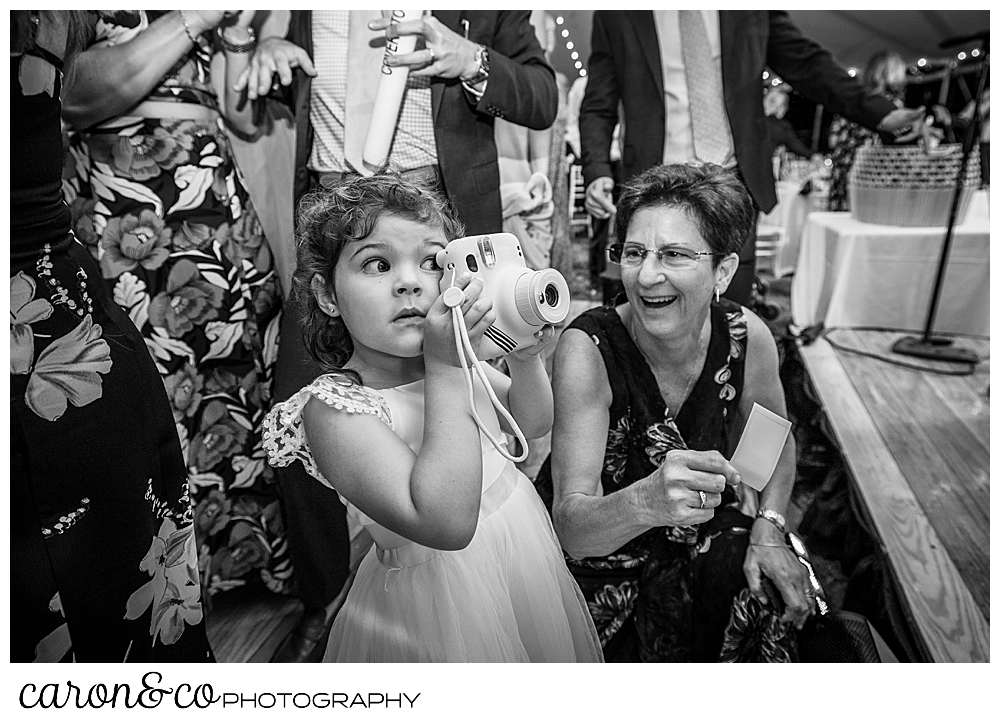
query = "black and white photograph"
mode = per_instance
[{"x": 499, "y": 336}]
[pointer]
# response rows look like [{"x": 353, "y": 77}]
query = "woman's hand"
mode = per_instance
[
  {"x": 274, "y": 56},
  {"x": 203, "y": 20},
  {"x": 239, "y": 20},
  {"x": 544, "y": 336},
  {"x": 768, "y": 556},
  {"x": 439, "y": 333},
  {"x": 686, "y": 488}
]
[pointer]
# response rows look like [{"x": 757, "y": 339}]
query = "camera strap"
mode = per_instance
[{"x": 453, "y": 298}]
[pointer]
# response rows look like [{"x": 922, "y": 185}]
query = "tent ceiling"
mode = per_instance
[{"x": 851, "y": 35}]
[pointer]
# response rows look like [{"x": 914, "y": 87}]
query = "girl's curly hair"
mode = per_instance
[{"x": 328, "y": 218}]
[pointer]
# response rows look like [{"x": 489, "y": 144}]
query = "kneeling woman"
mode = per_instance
[{"x": 651, "y": 397}]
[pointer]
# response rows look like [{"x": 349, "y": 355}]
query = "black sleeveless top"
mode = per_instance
[
  {"x": 642, "y": 430},
  {"x": 38, "y": 215}
]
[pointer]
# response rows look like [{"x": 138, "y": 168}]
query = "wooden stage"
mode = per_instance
[{"x": 917, "y": 445}]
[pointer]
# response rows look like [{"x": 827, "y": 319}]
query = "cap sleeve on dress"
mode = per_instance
[{"x": 284, "y": 435}]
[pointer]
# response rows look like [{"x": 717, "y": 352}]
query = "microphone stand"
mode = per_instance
[{"x": 936, "y": 347}]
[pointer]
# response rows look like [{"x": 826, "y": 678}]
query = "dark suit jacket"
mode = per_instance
[
  {"x": 521, "y": 89},
  {"x": 625, "y": 66}
]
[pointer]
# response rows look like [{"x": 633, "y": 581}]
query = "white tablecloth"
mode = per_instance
[
  {"x": 854, "y": 274},
  {"x": 787, "y": 218}
]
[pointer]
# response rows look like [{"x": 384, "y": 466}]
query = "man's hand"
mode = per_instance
[
  {"x": 274, "y": 56},
  {"x": 446, "y": 54},
  {"x": 598, "y": 201},
  {"x": 907, "y": 124}
]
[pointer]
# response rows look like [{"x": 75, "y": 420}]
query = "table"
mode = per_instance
[
  {"x": 917, "y": 448},
  {"x": 854, "y": 274},
  {"x": 786, "y": 220}
]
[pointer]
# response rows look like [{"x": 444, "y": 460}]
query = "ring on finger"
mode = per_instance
[
  {"x": 704, "y": 499},
  {"x": 430, "y": 60}
]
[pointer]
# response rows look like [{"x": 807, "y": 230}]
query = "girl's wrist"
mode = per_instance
[{"x": 519, "y": 362}]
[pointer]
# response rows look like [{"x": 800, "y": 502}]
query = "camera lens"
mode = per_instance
[{"x": 542, "y": 297}]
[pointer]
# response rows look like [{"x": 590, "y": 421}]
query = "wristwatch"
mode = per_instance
[
  {"x": 483, "y": 72},
  {"x": 775, "y": 518}
]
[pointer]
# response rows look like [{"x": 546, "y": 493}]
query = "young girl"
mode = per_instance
[{"x": 465, "y": 566}]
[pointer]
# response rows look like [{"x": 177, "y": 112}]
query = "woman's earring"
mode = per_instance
[{"x": 716, "y": 294}]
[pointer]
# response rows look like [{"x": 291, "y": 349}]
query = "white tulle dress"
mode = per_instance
[{"x": 507, "y": 597}]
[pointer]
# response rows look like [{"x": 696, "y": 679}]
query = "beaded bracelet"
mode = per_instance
[
  {"x": 245, "y": 47},
  {"x": 187, "y": 29}
]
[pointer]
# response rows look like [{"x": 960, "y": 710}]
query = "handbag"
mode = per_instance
[{"x": 756, "y": 634}]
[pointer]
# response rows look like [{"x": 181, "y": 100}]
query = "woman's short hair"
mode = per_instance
[
  {"x": 713, "y": 196},
  {"x": 327, "y": 219}
]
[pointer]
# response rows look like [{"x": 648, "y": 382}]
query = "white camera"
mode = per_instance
[{"x": 524, "y": 300}]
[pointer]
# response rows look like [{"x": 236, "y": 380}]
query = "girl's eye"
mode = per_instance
[
  {"x": 430, "y": 264},
  {"x": 375, "y": 266}
]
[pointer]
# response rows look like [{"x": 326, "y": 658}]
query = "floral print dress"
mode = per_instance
[
  {"x": 103, "y": 559},
  {"x": 846, "y": 137},
  {"x": 666, "y": 595},
  {"x": 161, "y": 206}
]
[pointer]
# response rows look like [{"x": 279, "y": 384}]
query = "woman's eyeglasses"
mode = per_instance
[{"x": 669, "y": 257}]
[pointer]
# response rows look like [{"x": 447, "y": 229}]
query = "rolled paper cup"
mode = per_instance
[{"x": 389, "y": 95}]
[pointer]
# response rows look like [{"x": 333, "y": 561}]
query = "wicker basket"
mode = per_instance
[{"x": 903, "y": 186}]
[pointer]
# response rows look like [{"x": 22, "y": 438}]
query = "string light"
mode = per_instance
[
  {"x": 922, "y": 62},
  {"x": 570, "y": 45},
  {"x": 975, "y": 53},
  {"x": 852, "y": 72},
  {"x": 961, "y": 56},
  {"x": 766, "y": 75}
]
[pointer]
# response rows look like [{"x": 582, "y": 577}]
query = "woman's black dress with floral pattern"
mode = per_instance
[
  {"x": 104, "y": 567},
  {"x": 161, "y": 206},
  {"x": 667, "y": 594}
]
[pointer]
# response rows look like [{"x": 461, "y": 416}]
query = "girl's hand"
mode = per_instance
[
  {"x": 544, "y": 336},
  {"x": 439, "y": 334}
]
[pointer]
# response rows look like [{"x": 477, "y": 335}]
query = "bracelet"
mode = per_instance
[
  {"x": 187, "y": 29},
  {"x": 775, "y": 518},
  {"x": 767, "y": 544},
  {"x": 245, "y": 47}
]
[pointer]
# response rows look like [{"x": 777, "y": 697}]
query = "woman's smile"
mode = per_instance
[{"x": 657, "y": 302}]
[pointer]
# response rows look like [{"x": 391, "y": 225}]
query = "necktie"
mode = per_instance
[{"x": 708, "y": 112}]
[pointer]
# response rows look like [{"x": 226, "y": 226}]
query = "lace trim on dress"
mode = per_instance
[{"x": 284, "y": 435}]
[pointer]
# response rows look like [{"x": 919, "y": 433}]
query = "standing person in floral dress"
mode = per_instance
[
  {"x": 103, "y": 558},
  {"x": 182, "y": 252},
  {"x": 885, "y": 74}
]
